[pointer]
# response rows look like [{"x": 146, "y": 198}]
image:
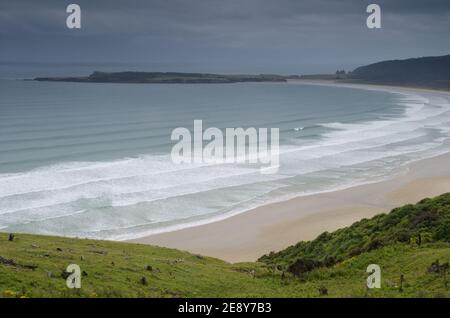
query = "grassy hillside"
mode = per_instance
[
  {"x": 427, "y": 221},
  {"x": 33, "y": 266}
]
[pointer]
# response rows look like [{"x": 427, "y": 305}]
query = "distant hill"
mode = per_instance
[
  {"x": 432, "y": 72},
  {"x": 166, "y": 77}
]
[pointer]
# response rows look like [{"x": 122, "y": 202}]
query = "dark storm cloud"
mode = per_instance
[{"x": 286, "y": 36}]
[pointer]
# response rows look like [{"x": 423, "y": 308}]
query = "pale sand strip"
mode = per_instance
[
  {"x": 247, "y": 236},
  {"x": 273, "y": 227},
  {"x": 339, "y": 83}
]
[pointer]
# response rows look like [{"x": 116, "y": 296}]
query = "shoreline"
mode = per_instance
[
  {"x": 248, "y": 235},
  {"x": 275, "y": 226},
  {"x": 381, "y": 87}
]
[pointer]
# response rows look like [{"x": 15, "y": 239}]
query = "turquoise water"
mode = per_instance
[{"x": 92, "y": 160}]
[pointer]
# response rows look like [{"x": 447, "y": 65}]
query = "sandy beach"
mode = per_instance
[{"x": 247, "y": 236}]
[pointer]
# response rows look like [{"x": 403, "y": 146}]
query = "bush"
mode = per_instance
[
  {"x": 301, "y": 266},
  {"x": 443, "y": 232},
  {"x": 429, "y": 219}
]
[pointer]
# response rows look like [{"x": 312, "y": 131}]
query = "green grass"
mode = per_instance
[
  {"x": 425, "y": 222},
  {"x": 114, "y": 269}
]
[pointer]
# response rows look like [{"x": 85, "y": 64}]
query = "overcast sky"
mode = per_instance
[{"x": 256, "y": 36}]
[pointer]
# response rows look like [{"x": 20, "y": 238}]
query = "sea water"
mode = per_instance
[{"x": 93, "y": 160}]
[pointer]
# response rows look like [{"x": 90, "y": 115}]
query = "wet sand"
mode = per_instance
[{"x": 272, "y": 227}]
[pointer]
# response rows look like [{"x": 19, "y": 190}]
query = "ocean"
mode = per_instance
[{"x": 93, "y": 160}]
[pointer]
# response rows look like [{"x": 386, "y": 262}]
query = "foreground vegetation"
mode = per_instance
[
  {"x": 427, "y": 221},
  {"x": 411, "y": 245}
]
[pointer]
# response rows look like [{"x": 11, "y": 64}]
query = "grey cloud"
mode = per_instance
[{"x": 248, "y": 35}]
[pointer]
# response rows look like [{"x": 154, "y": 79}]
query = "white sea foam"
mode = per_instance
[{"x": 126, "y": 198}]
